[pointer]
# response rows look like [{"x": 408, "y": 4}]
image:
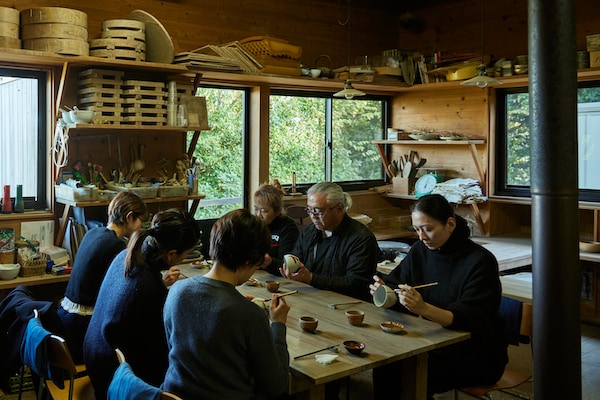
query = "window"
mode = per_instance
[
  {"x": 513, "y": 166},
  {"x": 23, "y": 134},
  {"x": 322, "y": 138},
  {"x": 221, "y": 152}
]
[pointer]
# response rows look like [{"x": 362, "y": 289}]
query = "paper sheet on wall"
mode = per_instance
[{"x": 42, "y": 231}]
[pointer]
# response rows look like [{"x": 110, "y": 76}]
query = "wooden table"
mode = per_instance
[{"x": 309, "y": 377}]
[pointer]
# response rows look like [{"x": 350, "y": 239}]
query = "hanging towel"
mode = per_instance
[{"x": 126, "y": 385}]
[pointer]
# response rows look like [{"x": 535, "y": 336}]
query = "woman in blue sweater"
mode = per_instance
[
  {"x": 221, "y": 345},
  {"x": 128, "y": 312},
  {"x": 466, "y": 298}
]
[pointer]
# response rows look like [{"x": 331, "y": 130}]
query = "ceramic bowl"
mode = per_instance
[
  {"x": 292, "y": 263},
  {"x": 392, "y": 327},
  {"x": 355, "y": 317},
  {"x": 66, "y": 116},
  {"x": 592, "y": 247},
  {"x": 315, "y": 72},
  {"x": 272, "y": 286},
  {"x": 9, "y": 271},
  {"x": 384, "y": 297},
  {"x": 308, "y": 324},
  {"x": 423, "y": 136},
  {"x": 81, "y": 116},
  {"x": 354, "y": 347}
]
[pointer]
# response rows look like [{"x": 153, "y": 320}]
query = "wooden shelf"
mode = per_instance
[
  {"x": 431, "y": 142},
  {"x": 135, "y": 128}
]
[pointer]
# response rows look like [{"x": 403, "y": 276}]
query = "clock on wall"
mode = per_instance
[{"x": 425, "y": 184}]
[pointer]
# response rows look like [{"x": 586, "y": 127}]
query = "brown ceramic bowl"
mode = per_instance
[
  {"x": 392, "y": 327},
  {"x": 354, "y": 347},
  {"x": 355, "y": 317},
  {"x": 272, "y": 286},
  {"x": 308, "y": 324}
]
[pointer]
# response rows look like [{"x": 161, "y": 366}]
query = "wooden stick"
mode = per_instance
[
  {"x": 418, "y": 286},
  {"x": 333, "y": 306},
  {"x": 284, "y": 294}
]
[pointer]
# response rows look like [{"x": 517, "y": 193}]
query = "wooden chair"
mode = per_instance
[
  {"x": 131, "y": 395},
  {"x": 510, "y": 378},
  {"x": 57, "y": 355},
  {"x": 297, "y": 213},
  {"x": 78, "y": 386}
]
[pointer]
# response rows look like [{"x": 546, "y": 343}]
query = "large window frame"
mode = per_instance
[
  {"x": 37, "y": 200},
  {"x": 329, "y": 141},
  {"x": 502, "y": 187}
]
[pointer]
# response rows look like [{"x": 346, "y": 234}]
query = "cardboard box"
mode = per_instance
[{"x": 594, "y": 59}]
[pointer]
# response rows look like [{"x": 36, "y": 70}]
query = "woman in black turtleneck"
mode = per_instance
[{"x": 467, "y": 298}]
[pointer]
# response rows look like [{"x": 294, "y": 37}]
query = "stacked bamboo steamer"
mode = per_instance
[
  {"x": 56, "y": 30},
  {"x": 9, "y": 28},
  {"x": 123, "y": 39}
]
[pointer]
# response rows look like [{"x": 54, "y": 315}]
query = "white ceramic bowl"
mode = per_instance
[
  {"x": 9, "y": 271},
  {"x": 81, "y": 116},
  {"x": 66, "y": 116},
  {"x": 315, "y": 72}
]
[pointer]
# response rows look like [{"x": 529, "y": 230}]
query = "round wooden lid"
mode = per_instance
[{"x": 159, "y": 46}]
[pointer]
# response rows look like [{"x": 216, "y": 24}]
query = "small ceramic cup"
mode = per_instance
[
  {"x": 308, "y": 324},
  {"x": 384, "y": 297},
  {"x": 292, "y": 263},
  {"x": 355, "y": 317},
  {"x": 272, "y": 286}
]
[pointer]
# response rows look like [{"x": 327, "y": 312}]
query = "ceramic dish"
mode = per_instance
[
  {"x": 423, "y": 136},
  {"x": 354, "y": 347},
  {"x": 392, "y": 327},
  {"x": 454, "y": 138}
]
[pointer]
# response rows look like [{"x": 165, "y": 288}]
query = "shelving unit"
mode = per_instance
[
  {"x": 472, "y": 144},
  {"x": 163, "y": 72}
]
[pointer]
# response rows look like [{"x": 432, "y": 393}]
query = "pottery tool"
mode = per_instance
[
  {"x": 417, "y": 287},
  {"x": 330, "y": 348},
  {"x": 334, "y": 306}
]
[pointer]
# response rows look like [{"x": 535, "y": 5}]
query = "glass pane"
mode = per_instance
[
  {"x": 355, "y": 124},
  {"x": 588, "y": 132},
  {"x": 297, "y": 139},
  {"x": 221, "y": 153},
  {"x": 19, "y": 133},
  {"x": 517, "y": 139}
]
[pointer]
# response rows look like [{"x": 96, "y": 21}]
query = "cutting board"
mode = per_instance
[{"x": 159, "y": 46}]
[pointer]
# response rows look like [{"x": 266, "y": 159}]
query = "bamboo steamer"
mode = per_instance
[
  {"x": 10, "y": 15},
  {"x": 65, "y": 47},
  {"x": 9, "y": 28},
  {"x": 53, "y": 30},
  {"x": 58, "y": 15}
]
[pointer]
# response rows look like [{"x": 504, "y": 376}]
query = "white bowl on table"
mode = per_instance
[{"x": 9, "y": 271}]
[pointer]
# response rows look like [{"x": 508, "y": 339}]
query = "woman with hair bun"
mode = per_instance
[{"x": 128, "y": 313}]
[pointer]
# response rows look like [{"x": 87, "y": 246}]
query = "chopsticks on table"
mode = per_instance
[
  {"x": 318, "y": 351},
  {"x": 285, "y": 294},
  {"x": 418, "y": 286}
]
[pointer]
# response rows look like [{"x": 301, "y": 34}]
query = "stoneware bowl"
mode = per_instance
[
  {"x": 308, "y": 324},
  {"x": 355, "y": 317},
  {"x": 9, "y": 271},
  {"x": 392, "y": 327},
  {"x": 66, "y": 116},
  {"x": 384, "y": 297},
  {"x": 354, "y": 347},
  {"x": 272, "y": 286},
  {"x": 315, "y": 72},
  {"x": 292, "y": 263},
  {"x": 81, "y": 116}
]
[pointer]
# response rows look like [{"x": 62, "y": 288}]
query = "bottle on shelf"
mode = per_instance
[
  {"x": 19, "y": 203},
  {"x": 7, "y": 207}
]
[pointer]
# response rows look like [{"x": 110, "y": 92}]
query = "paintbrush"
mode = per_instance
[
  {"x": 417, "y": 287},
  {"x": 331, "y": 348},
  {"x": 284, "y": 294},
  {"x": 334, "y": 306}
]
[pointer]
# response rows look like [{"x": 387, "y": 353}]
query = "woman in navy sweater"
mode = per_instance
[
  {"x": 466, "y": 297},
  {"x": 128, "y": 313}
]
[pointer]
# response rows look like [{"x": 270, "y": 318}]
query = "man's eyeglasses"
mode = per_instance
[
  {"x": 260, "y": 210},
  {"x": 318, "y": 212}
]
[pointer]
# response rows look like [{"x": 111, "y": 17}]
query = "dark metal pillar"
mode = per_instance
[{"x": 554, "y": 193}]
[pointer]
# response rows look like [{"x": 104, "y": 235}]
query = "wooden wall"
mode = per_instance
[{"x": 317, "y": 25}]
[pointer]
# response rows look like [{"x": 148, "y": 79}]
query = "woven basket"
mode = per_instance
[
  {"x": 266, "y": 46},
  {"x": 32, "y": 267}
]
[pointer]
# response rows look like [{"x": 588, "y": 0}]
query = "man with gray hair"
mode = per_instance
[{"x": 337, "y": 252}]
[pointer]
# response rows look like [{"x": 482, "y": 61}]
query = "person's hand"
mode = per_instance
[
  {"x": 373, "y": 286},
  {"x": 171, "y": 276},
  {"x": 278, "y": 309},
  {"x": 411, "y": 299},
  {"x": 267, "y": 261},
  {"x": 302, "y": 275}
]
